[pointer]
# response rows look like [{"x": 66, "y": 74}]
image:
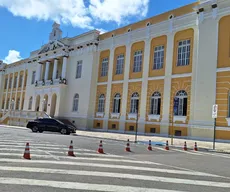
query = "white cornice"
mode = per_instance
[{"x": 223, "y": 69}]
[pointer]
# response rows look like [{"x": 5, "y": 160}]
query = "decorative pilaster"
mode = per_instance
[
  {"x": 64, "y": 65},
  {"x": 55, "y": 69},
  {"x": 47, "y": 70}
]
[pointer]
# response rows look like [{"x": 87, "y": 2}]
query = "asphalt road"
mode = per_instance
[{"x": 51, "y": 170}]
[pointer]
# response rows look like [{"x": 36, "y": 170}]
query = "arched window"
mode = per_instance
[
  {"x": 155, "y": 103},
  {"x": 101, "y": 103},
  {"x": 30, "y": 103},
  {"x": 180, "y": 103},
  {"x": 116, "y": 103},
  {"x": 75, "y": 102},
  {"x": 134, "y": 103}
]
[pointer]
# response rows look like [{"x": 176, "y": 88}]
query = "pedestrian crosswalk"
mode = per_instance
[{"x": 51, "y": 169}]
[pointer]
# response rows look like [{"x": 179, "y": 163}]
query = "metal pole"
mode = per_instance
[
  {"x": 172, "y": 124},
  {"x": 214, "y": 137},
  {"x": 136, "y": 124}
]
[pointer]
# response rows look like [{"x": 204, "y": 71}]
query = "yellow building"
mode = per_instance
[{"x": 169, "y": 68}]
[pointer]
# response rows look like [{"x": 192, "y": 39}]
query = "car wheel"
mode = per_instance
[
  {"x": 35, "y": 129},
  {"x": 40, "y": 131},
  {"x": 63, "y": 131}
]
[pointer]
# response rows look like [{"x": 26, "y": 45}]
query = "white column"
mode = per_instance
[
  {"x": 22, "y": 89},
  {"x": 12, "y": 87},
  {"x": 16, "y": 95},
  {"x": 38, "y": 72},
  {"x": 7, "y": 89},
  {"x": 64, "y": 65},
  {"x": 144, "y": 88},
  {"x": 47, "y": 70},
  {"x": 125, "y": 88},
  {"x": 108, "y": 92},
  {"x": 167, "y": 86},
  {"x": 55, "y": 69}
]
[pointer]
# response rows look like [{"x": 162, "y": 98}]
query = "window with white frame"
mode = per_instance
[
  {"x": 155, "y": 103},
  {"x": 10, "y": 83},
  {"x": 33, "y": 77},
  {"x": 180, "y": 103},
  {"x": 79, "y": 69},
  {"x": 137, "y": 61},
  {"x": 116, "y": 103},
  {"x": 15, "y": 81},
  {"x": 104, "y": 67},
  {"x": 134, "y": 103},
  {"x": 6, "y": 81},
  {"x": 183, "y": 55},
  {"x": 158, "y": 60},
  {"x": 101, "y": 103},
  {"x": 20, "y": 80},
  {"x": 75, "y": 102},
  {"x": 120, "y": 64},
  {"x": 18, "y": 103},
  {"x": 30, "y": 103}
]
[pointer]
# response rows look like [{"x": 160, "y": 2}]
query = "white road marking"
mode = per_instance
[
  {"x": 31, "y": 144},
  {"x": 65, "y": 152},
  {"x": 162, "y": 149},
  {"x": 214, "y": 154},
  {"x": 114, "y": 175},
  {"x": 188, "y": 152},
  {"x": 79, "y": 186},
  {"x": 110, "y": 166}
]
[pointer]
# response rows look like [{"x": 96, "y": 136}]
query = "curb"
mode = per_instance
[{"x": 12, "y": 127}]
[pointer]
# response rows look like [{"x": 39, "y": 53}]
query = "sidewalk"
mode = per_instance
[
  {"x": 223, "y": 147},
  {"x": 177, "y": 142}
]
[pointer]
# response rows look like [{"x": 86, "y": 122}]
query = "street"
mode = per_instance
[{"x": 159, "y": 170}]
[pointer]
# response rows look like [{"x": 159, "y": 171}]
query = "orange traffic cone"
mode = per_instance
[
  {"x": 100, "y": 149},
  {"x": 167, "y": 145},
  {"x": 70, "y": 152},
  {"x": 127, "y": 146},
  {"x": 185, "y": 146},
  {"x": 150, "y": 146},
  {"x": 195, "y": 147},
  {"x": 27, "y": 152}
]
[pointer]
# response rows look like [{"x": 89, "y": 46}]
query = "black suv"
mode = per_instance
[{"x": 49, "y": 124}]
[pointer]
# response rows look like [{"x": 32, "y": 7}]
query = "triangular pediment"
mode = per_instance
[{"x": 51, "y": 46}]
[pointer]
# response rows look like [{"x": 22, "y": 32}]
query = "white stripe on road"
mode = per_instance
[
  {"x": 31, "y": 144},
  {"x": 64, "y": 152},
  {"x": 83, "y": 158},
  {"x": 110, "y": 166},
  {"x": 79, "y": 186},
  {"x": 116, "y": 175},
  {"x": 212, "y": 154},
  {"x": 188, "y": 152}
]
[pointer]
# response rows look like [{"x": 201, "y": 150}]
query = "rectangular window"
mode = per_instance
[
  {"x": 120, "y": 64},
  {"x": 6, "y": 81},
  {"x": 101, "y": 105},
  {"x": 15, "y": 81},
  {"x": 20, "y": 81},
  {"x": 183, "y": 57},
  {"x": 98, "y": 125},
  {"x": 79, "y": 69},
  {"x": 104, "y": 67},
  {"x": 33, "y": 77},
  {"x": 131, "y": 128},
  {"x": 152, "y": 130},
  {"x": 182, "y": 107},
  {"x": 113, "y": 126},
  {"x": 10, "y": 83},
  {"x": 116, "y": 106},
  {"x": 155, "y": 106},
  {"x": 158, "y": 57},
  {"x": 134, "y": 105},
  {"x": 137, "y": 61}
]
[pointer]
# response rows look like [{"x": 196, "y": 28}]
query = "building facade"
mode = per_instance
[{"x": 161, "y": 75}]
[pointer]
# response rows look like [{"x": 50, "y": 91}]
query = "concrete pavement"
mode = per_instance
[{"x": 141, "y": 170}]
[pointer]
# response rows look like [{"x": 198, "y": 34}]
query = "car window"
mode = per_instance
[{"x": 59, "y": 122}]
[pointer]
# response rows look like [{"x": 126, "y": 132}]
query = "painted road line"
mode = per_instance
[
  {"x": 78, "y": 186},
  {"x": 65, "y": 152},
  {"x": 110, "y": 166},
  {"x": 31, "y": 144},
  {"x": 214, "y": 154},
  {"x": 162, "y": 149},
  {"x": 114, "y": 175},
  {"x": 188, "y": 152},
  {"x": 82, "y": 158}
]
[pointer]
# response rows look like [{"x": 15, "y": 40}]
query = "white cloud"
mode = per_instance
[
  {"x": 75, "y": 12},
  {"x": 117, "y": 10},
  {"x": 12, "y": 57},
  {"x": 65, "y": 11}
]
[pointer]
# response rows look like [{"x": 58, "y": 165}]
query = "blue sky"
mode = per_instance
[{"x": 25, "y": 26}]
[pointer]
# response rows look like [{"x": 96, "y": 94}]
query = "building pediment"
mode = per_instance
[{"x": 51, "y": 46}]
